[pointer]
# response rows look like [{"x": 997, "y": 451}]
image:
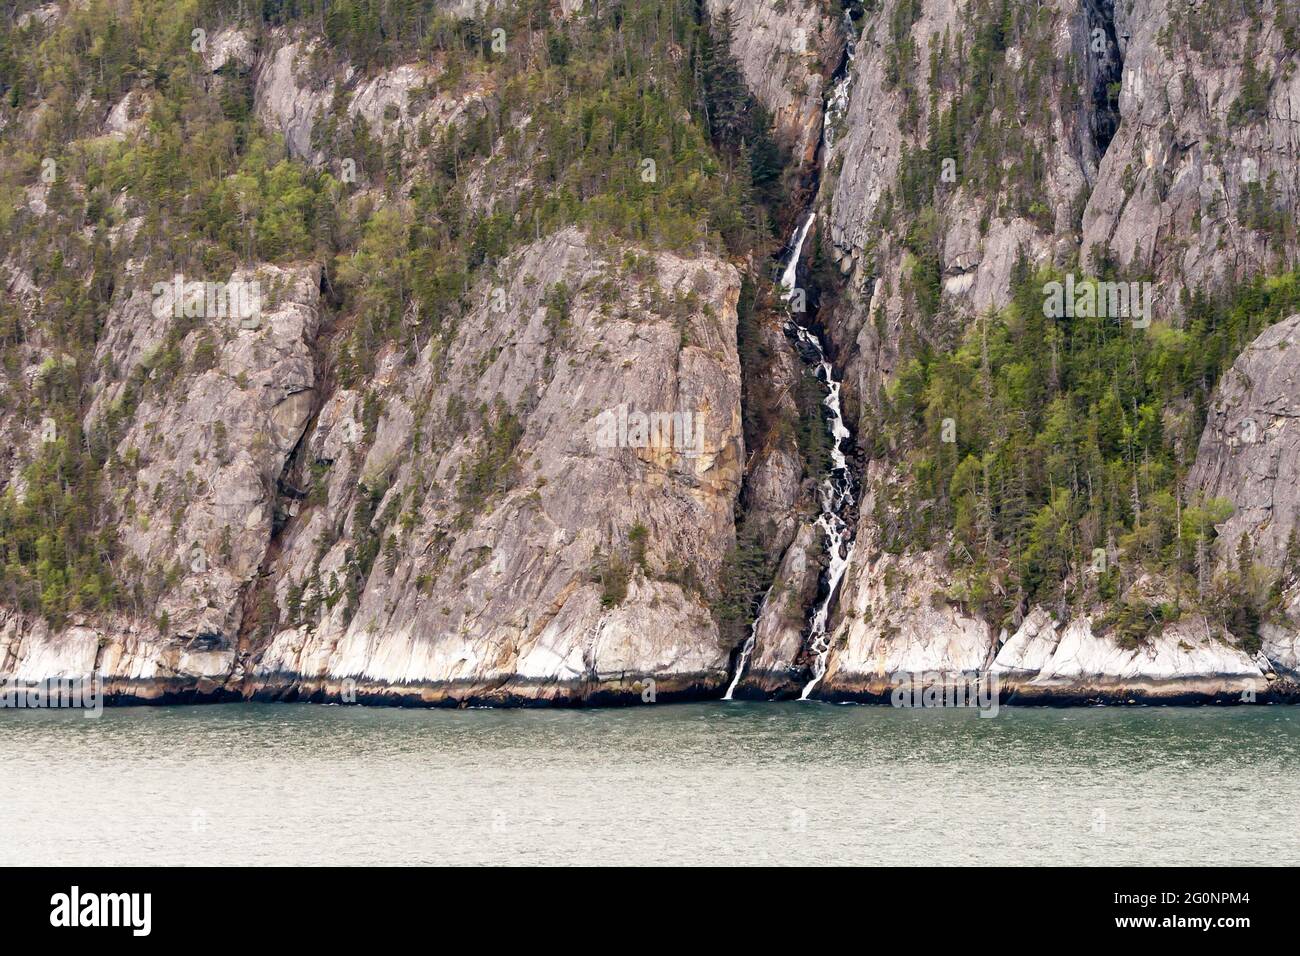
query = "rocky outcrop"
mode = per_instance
[
  {"x": 1207, "y": 155},
  {"x": 199, "y": 490},
  {"x": 289, "y": 99},
  {"x": 134, "y": 661},
  {"x": 1250, "y": 450},
  {"x": 295, "y": 89},
  {"x": 1280, "y": 640},
  {"x": 127, "y": 115},
  {"x": 231, "y": 50},
  {"x": 194, "y": 483},
  {"x": 399, "y": 102},
  {"x": 1186, "y": 661},
  {"x": 895, "y": 618},
  {"x": 786, "y": 51},
  {"x": 1249, "y": 455},
  {"x": 43, "y": 15},
  {"x": 513, "y": 589}
]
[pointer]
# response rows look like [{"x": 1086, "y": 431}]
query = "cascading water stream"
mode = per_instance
[
  {"x": 789, "y": 276},
  {"x": 747, "y": 649},
  {"x": 836, "y": 493},
  {"x": 837, "y": 101}
]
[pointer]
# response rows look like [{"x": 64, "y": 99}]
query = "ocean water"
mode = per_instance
[{"x": 723, "y": 783}]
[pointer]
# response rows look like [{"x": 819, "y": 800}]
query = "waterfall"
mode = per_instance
[
  {"x": 789, "y": 275},
  {"x": 837, "y": 501},
  {"x": 747, "y": 649},
  {"x": 837, "y": 101},
  {"x": 836, "y": 493}
]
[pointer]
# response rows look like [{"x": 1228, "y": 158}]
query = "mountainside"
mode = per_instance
[{"x": 457, "y": 352}]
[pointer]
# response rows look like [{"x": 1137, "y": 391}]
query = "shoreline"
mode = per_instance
[{"x": 637, "y": 691}]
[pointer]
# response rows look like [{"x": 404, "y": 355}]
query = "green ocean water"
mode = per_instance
[{"x": 734, "y": 783}]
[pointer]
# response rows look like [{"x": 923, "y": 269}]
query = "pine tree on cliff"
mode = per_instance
[{"x": 725, "y": 95}]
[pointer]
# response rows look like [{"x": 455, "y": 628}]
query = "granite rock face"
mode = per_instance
[
  {"x": 1195, "y": 163},
  {"x": 1188, "y": 660},
  {"x": 231, "y": 49},
  {"x": 1249, "y": 455},
  {"x": 548, "y": 547},
  {"x": 289, "y": 98},
  {"x": 895, "y": 620},
  {"x": 210, "y": 453},
  {"x": 195, "y": 511},
  {"x": 1250, "y": 450},
  {"x": 295, "y": 89},
  {"x": 539, "y": 505},
  {"x": 787, "y": 52},
  {"x": 501, "y": 598}
]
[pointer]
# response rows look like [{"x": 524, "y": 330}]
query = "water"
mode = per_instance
[
  {"x": 836, "y": 491},
  {"x": 837, "y": 101},
  {"x": 738, "y": 783},
  {"x": 831, "y": 498},
  {"x": 748, "y": 649},
  {"x": 837, "y": 501}
]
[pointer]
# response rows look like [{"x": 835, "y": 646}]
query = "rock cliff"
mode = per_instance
[
  {"x": 437, "y": 360},
  {"x": 1130, "y": 142}
]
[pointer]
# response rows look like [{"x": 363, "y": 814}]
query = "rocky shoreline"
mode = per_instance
[
  {"x": 632, "y": 689},
  {"x": 582, "y": 695}
]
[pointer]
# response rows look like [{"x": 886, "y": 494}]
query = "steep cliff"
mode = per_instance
[
  {"x": 416, "y": 378},
  {"x": 1200, "y": 183},
  {"x": 1249, "y": 455},
  {"x": 983, "y": 151},
  {"x": 526, "y": 535},
  {"x": 435, "y": 356},
  {"x": 787, "y": 52}
]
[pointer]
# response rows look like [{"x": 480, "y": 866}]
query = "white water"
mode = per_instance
[
  {"x": 837, "y": 101},
  {"x": 836, "y": 492},
  {"x": 789, "y": 275},
  {"x": 837, "y": 499},
  {"x": 748, "y": 648}
]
